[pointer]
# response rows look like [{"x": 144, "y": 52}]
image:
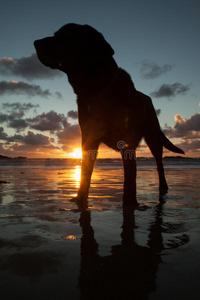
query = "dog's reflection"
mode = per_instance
[{"x": 129, "y": 272}]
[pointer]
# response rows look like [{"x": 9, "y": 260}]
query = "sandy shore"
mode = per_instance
[{"x": 49, "y": 249}]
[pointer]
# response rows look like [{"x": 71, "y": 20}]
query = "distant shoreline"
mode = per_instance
[
  {"x": 7, "y": 157},
  {"x": 150, "y": 158}
]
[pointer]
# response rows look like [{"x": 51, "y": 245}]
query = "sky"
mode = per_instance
[{"x": 157, "y": 42}]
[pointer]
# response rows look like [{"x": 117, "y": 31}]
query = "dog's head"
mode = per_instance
[{"x": 71, "y": 45}]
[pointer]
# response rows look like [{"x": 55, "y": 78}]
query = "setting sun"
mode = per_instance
[{"x": 77, "y": 153}]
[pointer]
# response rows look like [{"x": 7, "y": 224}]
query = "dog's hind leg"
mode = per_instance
[
  {"x": 157, "y": 150},
  {"x": 129, "y": 163}
]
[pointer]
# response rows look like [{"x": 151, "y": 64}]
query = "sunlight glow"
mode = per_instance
[
  {"x": 77, "y": 153},
  {"x": 77, "y": 175},
  {"x": 70, "y": 237}
]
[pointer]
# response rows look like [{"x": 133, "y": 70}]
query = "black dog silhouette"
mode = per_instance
[{"x": 110, "y": 109}]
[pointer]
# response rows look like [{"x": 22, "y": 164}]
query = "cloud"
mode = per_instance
[
  {"x": 15, "y": 113},
  {"x": 70, "y": 132},
  {"x": 28, "y": 67},
  {"x": 31, "y": 144},
  {"x": 158, "y": 111},
  {"x": 66, "y": 135},
  {"x": 59, "y": 95},
  {"x": 51, "y": 121},
  {"x": 190, "y": 146},
  {"x": 18, "y": 124},
  {"x": 47, "y": 121},
  {"x": 23, "y": 88},
  {"x": 3, "y": 135},
  {"x": 72, "y": 114},
  {"x": 185, "y": 128},
  {"x": 14, "y": 120},
  {"x": 150, "y": 70},
  {"x": 18, "y": 106},
  {"x": 3, "y": 118},
  {"x": 30, "y": 138},
  {"x": 69, "y": 136},
  {"x": 171, "y": 90},
  {"x": 34, "y": 139}
]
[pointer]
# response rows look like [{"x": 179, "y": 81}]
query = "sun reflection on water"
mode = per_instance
[
  {"x": 70, "y": 237},
  {"x": 77, "y": 176}
]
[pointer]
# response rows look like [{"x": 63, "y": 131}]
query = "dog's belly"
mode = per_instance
[
  {"x": 118, "y": 140},
  {"x": 123, "y": 128}
]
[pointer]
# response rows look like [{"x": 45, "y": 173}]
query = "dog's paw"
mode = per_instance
[
  {"x": 81, "y": 202},
  {"x": 130, "y": 199},
  {"x": 79, "y": 198},
  {"x": 163, "y": 190}
]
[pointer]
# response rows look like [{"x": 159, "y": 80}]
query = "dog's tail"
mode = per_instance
[{"x": 167, "y": 144}]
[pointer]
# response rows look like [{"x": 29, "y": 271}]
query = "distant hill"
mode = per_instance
[
  {"x": 7, "y": 157},
  {"x": 4, "y": 157}
]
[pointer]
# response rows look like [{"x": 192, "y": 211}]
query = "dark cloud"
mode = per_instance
[
  {"x": 171, "y": 90},
  {"x": 190, "y": 146},
  {"x": 11, "y": 116},
  {"x": 15, "y": 113},
  {"x": 28, "y": 67},
  {"x": 18, "y": 124},
  {"x": 150, "y": 70},
  {"x": 3, "y": 118},
  {"x": 72, "y": 114},
  {"x": 185, "y": 128},
  {"x": 3, "y": 135},
  {"x": 36, "y": 139},
  {"x": 30, "y": 139},
  {"x": 58, "y": 95},
  {"x": 158, "y": 111},
  {"x": 19, "y": 107},
  {"x": 69, "y": 136},
  {"x": 23, "y": 88},
  {"x": 64, "y": 133},
  {"x": 51, "y": 121},
  {"x": 14, "y": 120}
]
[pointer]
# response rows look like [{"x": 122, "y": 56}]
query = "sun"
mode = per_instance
[{"x": 77, "y": 153}]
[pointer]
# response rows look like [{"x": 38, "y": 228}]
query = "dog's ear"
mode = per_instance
[{"x": 96, "y": 42}]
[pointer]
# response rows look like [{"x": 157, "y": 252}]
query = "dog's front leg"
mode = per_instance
[{"x": 89, "y": 154}]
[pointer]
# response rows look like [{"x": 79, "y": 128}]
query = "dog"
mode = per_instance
[{"x": 110, "y": 109}]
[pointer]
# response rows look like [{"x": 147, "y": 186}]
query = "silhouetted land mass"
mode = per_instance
[
  {"x": 7, "y": 157},
  {"x": 4, "y": 157},
  {"x": 139, "y": 158}
]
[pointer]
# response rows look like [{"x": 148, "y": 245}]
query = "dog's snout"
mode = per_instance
[{"x": 48, "y": 41}]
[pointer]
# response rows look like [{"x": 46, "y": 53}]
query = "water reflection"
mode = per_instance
[
  {"x": 129, "y": 272},
  {"x": 77, "y": 176},
  {"x": 40, "y": 236}
]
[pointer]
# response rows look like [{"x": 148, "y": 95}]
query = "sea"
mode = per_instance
[
  {"x": 66, "y": 163},
  {"x": 54, "y": 248}
]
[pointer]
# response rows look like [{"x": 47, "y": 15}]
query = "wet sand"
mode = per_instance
[{"x": 50, "y": 249}]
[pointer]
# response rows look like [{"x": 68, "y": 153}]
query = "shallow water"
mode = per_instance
[{"x": 50, "y": 249}]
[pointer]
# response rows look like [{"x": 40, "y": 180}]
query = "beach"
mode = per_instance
[{"x": 52, "y": 249}]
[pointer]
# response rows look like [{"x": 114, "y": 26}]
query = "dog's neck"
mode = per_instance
[{"x": 88, "y": 79}]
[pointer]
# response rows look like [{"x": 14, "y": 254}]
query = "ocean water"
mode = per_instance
[
  {"x": 180, "y": 162},
  {"x": 51, "y": 248}
]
